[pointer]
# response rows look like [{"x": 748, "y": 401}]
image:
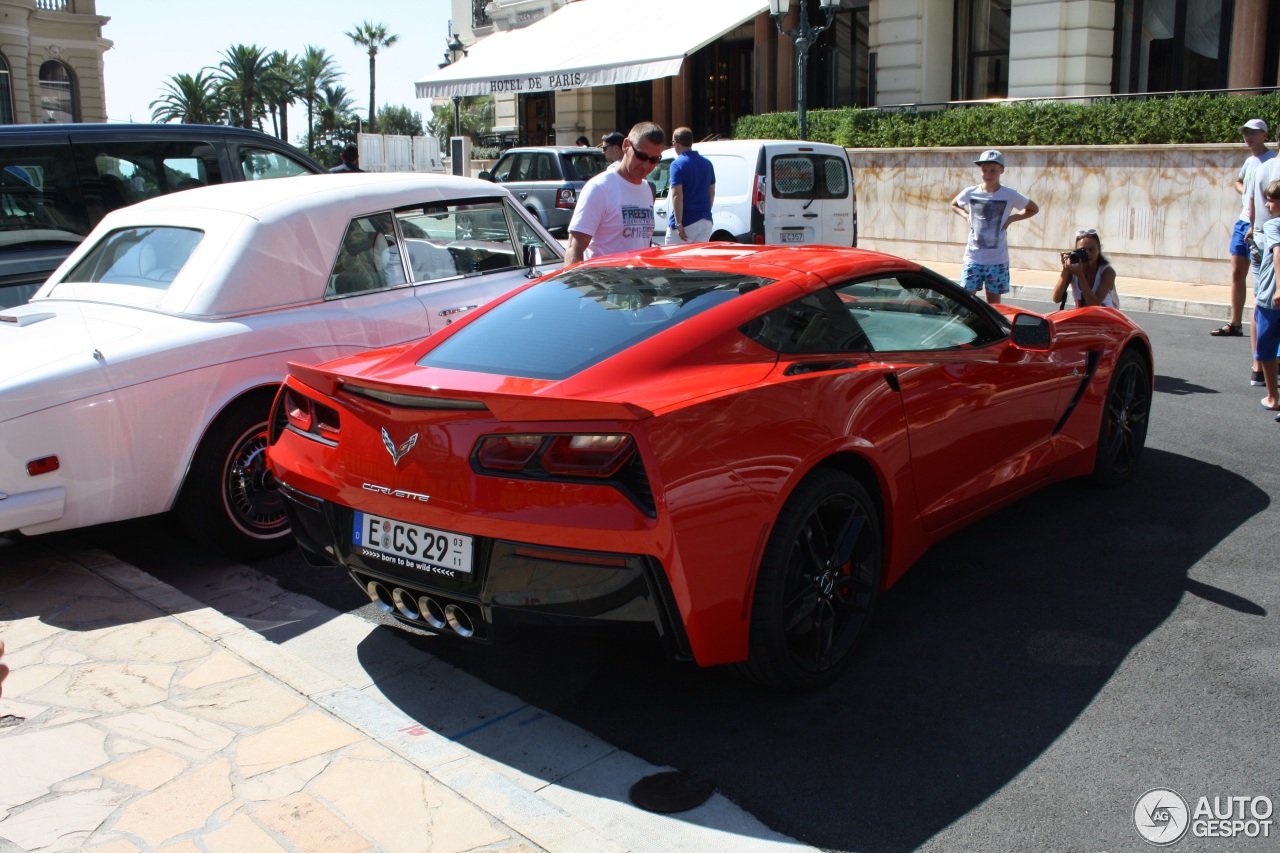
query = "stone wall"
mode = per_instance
[{"x": 1163, "y": 211}]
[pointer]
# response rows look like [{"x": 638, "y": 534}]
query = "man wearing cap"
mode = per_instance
[
  {"x": 990, "y": 209},
  {"x": 1252, "y": 214},
  {"x": 611, "y": 145}
]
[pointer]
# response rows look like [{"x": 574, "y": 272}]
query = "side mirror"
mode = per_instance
[
  {"x": 486, "y": 175},
  {"x": 532, "y": 260},
  {"x": 1031, "y": 333}
]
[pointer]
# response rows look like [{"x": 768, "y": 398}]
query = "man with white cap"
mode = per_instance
[
  {"x": 990, "y": 209},
  {"x": 1254, "y": 132}
]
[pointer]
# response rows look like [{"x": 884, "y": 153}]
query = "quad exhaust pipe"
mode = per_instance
[{"x": 441, "y": 617}]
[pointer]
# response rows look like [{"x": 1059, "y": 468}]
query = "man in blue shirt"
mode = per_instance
[{"x": 693, "y": 191}]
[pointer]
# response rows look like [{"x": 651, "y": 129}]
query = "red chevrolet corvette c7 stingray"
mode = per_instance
[{"x": 739, "y": 446}]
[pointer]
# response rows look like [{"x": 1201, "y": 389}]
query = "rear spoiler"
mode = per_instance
[{"x": 504, "y": 407}]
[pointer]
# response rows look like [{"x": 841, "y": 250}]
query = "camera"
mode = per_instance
[{"x": 1078, "y": 256}]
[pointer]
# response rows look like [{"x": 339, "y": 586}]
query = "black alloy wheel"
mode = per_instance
[
  {"x": 229, "y": 501},
  {"x": 818, "y": 584},
  {"x": 1125, "y": 415}
]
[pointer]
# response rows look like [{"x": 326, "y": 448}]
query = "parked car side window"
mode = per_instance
[
  {"x": 447, "y": 240},
  {"x": 585, "y": 165},
  {"x": 368, "y": 259},
  {"x": 117, "y": 174},
  {"x": 40, "y": 203},
  {"x": 542, "y": 168},
  {"x": 809, "y": 176},
  {"x": 905, "y": 313},
  {"x": 502, "y": 171},
  {"x": 660, "y": 178},
  {"x": 147, "y": 257},
  {"x": 908, "y": 313},
  {"x": 261, "y": 163}
]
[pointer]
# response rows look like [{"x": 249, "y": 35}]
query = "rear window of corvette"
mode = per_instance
[{"x": 569, "y": 323}]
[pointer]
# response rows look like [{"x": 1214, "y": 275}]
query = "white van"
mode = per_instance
[{"x": 772, "y": 191}]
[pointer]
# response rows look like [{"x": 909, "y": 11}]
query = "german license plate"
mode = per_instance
[
  {"x": 792, "y": 237},
  {"x": 412, "y": 546}
]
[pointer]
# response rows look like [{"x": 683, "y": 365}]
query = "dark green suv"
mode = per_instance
[{"x": 57, "y": 181}]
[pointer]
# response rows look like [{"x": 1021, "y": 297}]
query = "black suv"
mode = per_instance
[
  {"x": 547, "y": 180},
  {"x": 58, "y": 180}
]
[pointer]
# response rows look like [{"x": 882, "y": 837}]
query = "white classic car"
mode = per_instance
[{"x": 139, "y": 378}]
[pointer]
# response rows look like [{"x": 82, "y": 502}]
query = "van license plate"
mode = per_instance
[
  {"x": 792, "y": 237},
  {"x": 412, "y": 546}
]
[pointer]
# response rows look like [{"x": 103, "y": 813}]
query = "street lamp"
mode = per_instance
[
  {"x": 456, "y": 51},
  {"x": 804, "y": 39}
]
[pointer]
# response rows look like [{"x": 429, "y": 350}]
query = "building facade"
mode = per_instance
[
  {"x": 902, "y": 53},
  {"x": 51, "y": 67}
]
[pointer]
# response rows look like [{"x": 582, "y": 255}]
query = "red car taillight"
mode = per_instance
[
  {"x": 595, "y": 456},
  {"x": 758, "y": 194},
  {"x": 566, "y": 198},
  {"x": 310, "y": 417}
]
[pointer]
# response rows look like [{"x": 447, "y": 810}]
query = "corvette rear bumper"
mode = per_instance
[{"x": 512, "y": 583}]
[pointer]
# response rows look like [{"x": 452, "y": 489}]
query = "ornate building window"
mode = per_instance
[
  {"x": 479, "y": 17},
  {"x": 981, "y": 67},
  {"x": 1167, "y": 45},
  {"x": 6, "y": 93},
  {"x": 58, "y": 101}
]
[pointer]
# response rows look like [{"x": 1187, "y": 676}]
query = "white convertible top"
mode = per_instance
[{"x": 266, "y": 244}]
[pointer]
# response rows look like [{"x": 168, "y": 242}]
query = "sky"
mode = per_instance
[{"x": 156, "y": 41}]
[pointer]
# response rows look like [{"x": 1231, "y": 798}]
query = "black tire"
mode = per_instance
[
  {"x": 228, "y": 501},
  {"x": 1125, "y": 415},
  {"x": 818, "y": 584}
]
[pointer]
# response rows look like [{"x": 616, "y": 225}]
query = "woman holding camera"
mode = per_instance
[{"x": 1088, "y": 272}]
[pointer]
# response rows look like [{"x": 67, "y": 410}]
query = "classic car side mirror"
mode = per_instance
[
  {"x": 1031, "y": 333},
  {"x": 532, "y": 260}
]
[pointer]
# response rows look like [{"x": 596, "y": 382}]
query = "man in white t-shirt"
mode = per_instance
[
  {"x": 990, "y": 209},
  {"x": 615, "y": 209}
]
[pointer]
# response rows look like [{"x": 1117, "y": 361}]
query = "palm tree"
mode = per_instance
[
  {"x": 335, "y": 107},
  {"x": 316, "y": 70},
  {"x": 188, "y": 100},
  {"x": 280, "y": 89},
  {"x": 243, "y": 70},
  {"x": 372, "y": 37}
]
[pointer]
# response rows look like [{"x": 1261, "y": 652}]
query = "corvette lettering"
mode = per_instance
[{"x": 395, "y": 493}]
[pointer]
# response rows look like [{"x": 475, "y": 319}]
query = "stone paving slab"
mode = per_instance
[
  {"x": 142, "y": 733},
  {"x": 155, "y": 722}
]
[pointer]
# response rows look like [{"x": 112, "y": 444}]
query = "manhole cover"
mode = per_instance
[{"x": 669, "y": 792}]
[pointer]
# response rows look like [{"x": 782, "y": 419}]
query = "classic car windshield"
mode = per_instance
[
  {"x": 569, "y": 323},
  {"x": 147, "y": 257}
]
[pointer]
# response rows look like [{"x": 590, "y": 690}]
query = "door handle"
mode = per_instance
[{"x": 811, "y": 216}]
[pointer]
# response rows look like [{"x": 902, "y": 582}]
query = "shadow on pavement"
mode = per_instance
[{"x": 979, "y": 659}]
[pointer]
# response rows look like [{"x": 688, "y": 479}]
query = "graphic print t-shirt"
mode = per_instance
[
  {"x": 988, "y": 212},
  {"x": 616, "y": 213}
]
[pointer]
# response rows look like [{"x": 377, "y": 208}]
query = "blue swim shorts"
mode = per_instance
[
  {"x": 994, "y": 276},
  {"x": 1267, "y": 324},
  {"x": 1239, "y": 245}
]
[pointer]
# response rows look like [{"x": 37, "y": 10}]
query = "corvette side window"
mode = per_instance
[
  {"x": 815, "y": 323},
  {"x": 910, "y": 313}
]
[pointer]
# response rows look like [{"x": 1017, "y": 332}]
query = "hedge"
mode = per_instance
[{"x": 1163, "y": 120}]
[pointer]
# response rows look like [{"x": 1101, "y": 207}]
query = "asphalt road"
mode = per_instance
[{"x": 1021, "y": 688}]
